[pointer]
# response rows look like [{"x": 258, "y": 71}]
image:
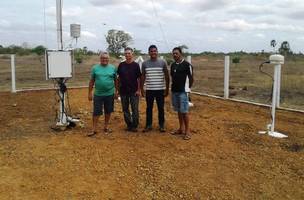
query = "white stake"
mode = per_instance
[
  {"x": 13, "y": 71},
  {"x": 226, "y": 77}
]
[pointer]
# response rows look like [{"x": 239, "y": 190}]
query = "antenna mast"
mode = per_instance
[{"x": 59, "y": 24}]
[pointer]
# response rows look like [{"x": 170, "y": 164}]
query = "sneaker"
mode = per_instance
[
  {"x": 147, "y": 129},
  {"x": 134, "y": 130},
  {"x": 129, "y": 129},
  {"x": 162, "y": 129}
]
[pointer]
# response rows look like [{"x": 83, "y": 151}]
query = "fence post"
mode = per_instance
[
  {"x": 226, "y": 77},
  {"x": 13, "y": 71},
  {"x": 278, "y": 96},
  {"x": 189, "y": 59}
]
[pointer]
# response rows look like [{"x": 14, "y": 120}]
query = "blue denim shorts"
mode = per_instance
[
  {"x": 180, "y": 102},
  {"x": 101, "y": 103}
]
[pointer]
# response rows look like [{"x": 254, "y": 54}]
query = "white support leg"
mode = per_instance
[
  {"x": 226, "y": 77},
  {"x": 13, "y": 74},
  {"x": 274, "y": 104}
]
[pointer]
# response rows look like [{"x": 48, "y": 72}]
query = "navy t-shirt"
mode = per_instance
[{"x": 128, "y": 74}]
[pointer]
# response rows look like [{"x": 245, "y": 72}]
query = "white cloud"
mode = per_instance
[
  {"x": 66, "y": 12},
  {"x": 4, "y": 23},
  {"x": 260, "y": 35},
  {"x": 88, "y": 34}
]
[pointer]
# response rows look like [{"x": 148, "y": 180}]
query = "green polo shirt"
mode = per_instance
[{"x": 104, "y": 77}]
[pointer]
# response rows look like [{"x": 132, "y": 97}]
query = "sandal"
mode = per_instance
[
  {"x": 107, "y": 130},
  {"x": 187, "y": 136},
  {"x": 176, "y": 132},
  {"x": 92, "y": 134}
]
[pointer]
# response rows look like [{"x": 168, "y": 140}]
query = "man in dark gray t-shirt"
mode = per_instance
[{"x": 155, "y": 76}]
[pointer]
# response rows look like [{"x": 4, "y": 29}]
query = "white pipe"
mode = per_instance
[
  {"x": 226, "y": 77},
  {"x": 13, "y": 71},
  {"x": 274, "y": 96},
  {"x": 279, "y": 86},
  {"x": 59, "y": 23},
  {"x": 187, "y": 88}
]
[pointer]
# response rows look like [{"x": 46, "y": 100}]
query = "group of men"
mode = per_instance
[{"x": 151, "y": 81}]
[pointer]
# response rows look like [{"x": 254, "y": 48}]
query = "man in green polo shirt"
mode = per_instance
[{"x": 103, "y": 76}]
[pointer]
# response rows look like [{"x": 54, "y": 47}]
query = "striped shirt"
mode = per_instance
[{"x": 155, "y": 74}]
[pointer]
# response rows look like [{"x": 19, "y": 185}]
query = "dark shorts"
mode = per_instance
[
  {"x": 101, "y": 103},
  {"x": 180, "y": 102}
]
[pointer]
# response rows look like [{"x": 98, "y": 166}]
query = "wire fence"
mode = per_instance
[{"x": 246, "y": 81}]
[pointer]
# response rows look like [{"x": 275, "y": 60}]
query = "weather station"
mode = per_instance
[
  {"x": 59, "y": 68},
  {"x": 276, "y": 60}
]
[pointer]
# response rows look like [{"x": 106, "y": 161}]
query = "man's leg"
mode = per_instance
[
  {"x": 149, "y": 109},
  {"x": 107, "y": 120},
  {"x": 108, "y": 108},
  {"x": 125, "y": 101},
  {"x": 135, "y": 115},
  {"x": 160, "y": 100},
  {"x": 181, "y": 123},
  {"x": 185, "y": 115},
  {"x": 95, "y": 123},
  {"x": 97, "y": 111},
  {"x": 186, "y": 120}
]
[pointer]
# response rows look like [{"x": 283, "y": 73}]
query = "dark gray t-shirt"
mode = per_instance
[{"x": 155, "y": 74}]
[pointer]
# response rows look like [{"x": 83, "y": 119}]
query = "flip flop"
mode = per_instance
[
  {"x": 187, "y": 136},
  {"x": 92, "y": 134},
  {"x": 107, "y": 130},
  {"x": 176, "y": 132}
]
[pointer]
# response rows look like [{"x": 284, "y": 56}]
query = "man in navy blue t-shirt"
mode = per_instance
[
  {"x": 180, "y": 71},
  {"x": 129, "y": 89}
]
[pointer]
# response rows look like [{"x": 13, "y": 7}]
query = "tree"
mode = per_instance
[
  {"x": 273, "y": 43},
  {"x": 117, "y": 40},
  {"x": 39, "y": 50},
  {"x": 236, "y": 60},
  {"x": 183, "y": 47},
  {"x": 137, "y": 52},
  {"x": 285, "y": 48}
]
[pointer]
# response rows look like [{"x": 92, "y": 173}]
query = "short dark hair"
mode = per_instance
[
  {"x": 178, "y": 49},
  {"x": 128, "y": 49},
  {"x": 152, "y": 47}
]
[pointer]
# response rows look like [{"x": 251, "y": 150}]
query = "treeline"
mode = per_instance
[{"x": 22, "y": 50}]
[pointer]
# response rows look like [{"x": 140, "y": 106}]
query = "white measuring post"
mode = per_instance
[
  {"x": 189, "y": 60},
  {"x": 277, "y": 61},
  {"x": 13, "y": 72},
  {"x": 279, "y": 74},
  {"x": 226, "y": 77},
  {"x": 140, "y": 61}
]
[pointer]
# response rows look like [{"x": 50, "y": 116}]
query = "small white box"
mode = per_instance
[{"x": 59, "y": 64}]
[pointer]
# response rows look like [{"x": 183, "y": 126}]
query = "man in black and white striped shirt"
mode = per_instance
[{"x": 155, "y": 76}]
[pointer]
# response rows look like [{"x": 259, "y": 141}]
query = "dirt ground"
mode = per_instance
[{"x": 225, "y": 159}]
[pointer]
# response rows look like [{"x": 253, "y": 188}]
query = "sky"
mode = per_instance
[{"x": 202, "y": 25}]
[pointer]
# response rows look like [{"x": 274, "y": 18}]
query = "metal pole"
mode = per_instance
[
  {"x": 279, "y": 86},
  {"x": 13, "y": 71},
  {"x": 226, "y": 77},
  {"x": 274, "y": 96},
  {"x": 59, "y": 23}
]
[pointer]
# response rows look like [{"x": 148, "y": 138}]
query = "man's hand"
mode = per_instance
[
  {"x": 166, "y": 93},
  {"x": 116, "y": 95},
  {"x": 143, "y": 93},
  {"x": 90, "y": 97},
  {"x": 137, "y": 93}
]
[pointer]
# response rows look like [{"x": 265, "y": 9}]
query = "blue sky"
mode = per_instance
[{"x": 203, "y": 25}]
